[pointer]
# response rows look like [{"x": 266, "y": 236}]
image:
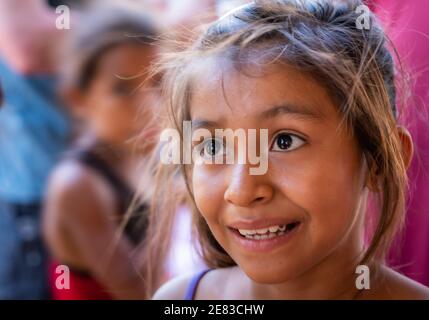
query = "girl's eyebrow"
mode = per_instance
[
  {"x": 290, "y": 109},
  {"x": 202, "y": 123},
  {"x": 294, "y": 110}
]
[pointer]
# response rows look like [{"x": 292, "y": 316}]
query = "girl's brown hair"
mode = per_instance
[{"x": 320, "y": 38}]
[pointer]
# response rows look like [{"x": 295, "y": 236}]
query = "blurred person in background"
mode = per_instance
[
  {"x": 407, "y": 25},
  {"x": 1, "y": 96},
  {"x": 33, "y": 131},
  {"x": 87, "y": 224}
]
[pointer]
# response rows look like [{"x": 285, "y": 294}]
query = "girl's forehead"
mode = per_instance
[{"x": 221, "y": 90}]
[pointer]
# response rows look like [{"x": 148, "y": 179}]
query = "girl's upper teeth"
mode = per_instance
[{"x": 272, "y": 229}]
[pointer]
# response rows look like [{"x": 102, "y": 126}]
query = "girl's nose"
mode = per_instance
[{"x": 246, "y": 190}]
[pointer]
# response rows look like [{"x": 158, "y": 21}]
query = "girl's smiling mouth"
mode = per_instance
[{"x": 261, "y": 236}]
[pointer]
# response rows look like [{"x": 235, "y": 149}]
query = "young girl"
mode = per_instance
[
  {"x": 324, "y": 88},
  {"x": 91, "y": 190}
]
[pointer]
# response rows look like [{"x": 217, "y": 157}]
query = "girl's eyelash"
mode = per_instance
[
  {"x": 201, "y": 141},
  {"x": 292, "y": 133}
]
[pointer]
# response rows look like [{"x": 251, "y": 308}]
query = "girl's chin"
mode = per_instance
[
  {"x": 271, "y": 279},
  {"x": 274, "y": 275}
]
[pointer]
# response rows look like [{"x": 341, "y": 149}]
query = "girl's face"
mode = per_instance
[
  {"x": 307, "y": 208},
  {"x": 119, "y": 103}
]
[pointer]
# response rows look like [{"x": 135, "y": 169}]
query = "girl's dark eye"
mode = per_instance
[
  {"x": 211, "y": 148},
  {"x": 287, "y": 142}
]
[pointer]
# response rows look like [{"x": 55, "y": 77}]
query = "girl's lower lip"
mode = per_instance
[{"x": 265, "y": 244}]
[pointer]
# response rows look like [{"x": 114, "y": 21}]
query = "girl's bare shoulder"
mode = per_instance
[
  {"x": 210, "y": 287},
  {"x": 174, "y": 289},
  {"x": 395, "y": 286}
]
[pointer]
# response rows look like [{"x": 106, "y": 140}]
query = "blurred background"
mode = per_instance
[{"x": 72, "y": 87}]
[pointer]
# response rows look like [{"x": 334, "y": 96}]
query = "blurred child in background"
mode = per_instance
[
  {"x": 106, "y": 85},
  {"x": 34, "y": 130}
]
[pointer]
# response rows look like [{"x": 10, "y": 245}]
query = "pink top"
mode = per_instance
[{"x": 407, "y": 24}]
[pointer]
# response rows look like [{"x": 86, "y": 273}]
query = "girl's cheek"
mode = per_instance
[
  {"x": 326, "y": 189},
  {"x": 208, "y": 193}
]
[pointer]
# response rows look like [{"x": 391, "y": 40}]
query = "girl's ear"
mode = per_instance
[
  {"x": 407, "y": 145},
  {"x": 407, "y": 155}
]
